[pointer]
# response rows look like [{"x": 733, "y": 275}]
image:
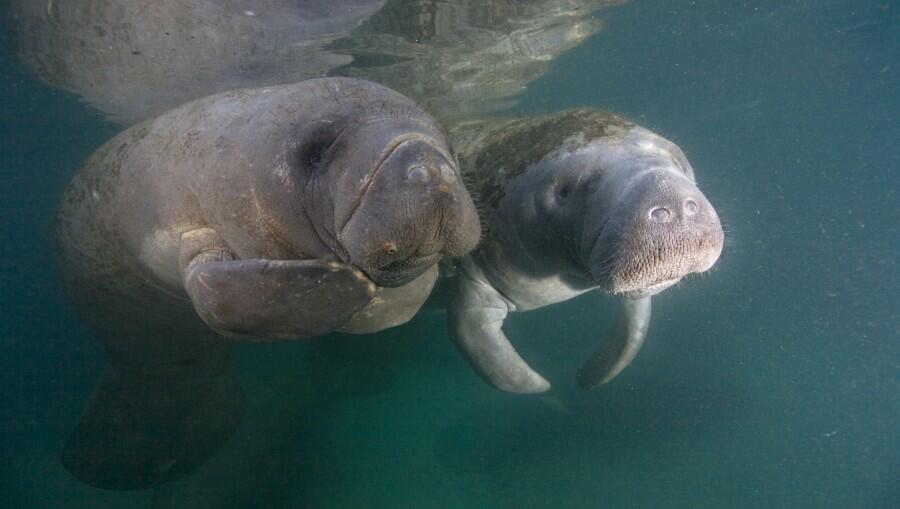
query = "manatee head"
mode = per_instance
[
  {"x": 649, "y": 225},
  {"x": 625, "y": 203},
  {"x": 384, "y": 191}
]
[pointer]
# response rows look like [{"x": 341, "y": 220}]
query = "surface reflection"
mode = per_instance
[{"x": 132, "y": 59}]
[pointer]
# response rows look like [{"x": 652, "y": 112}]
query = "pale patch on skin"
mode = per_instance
[
  {"x": 283, "y": 172},
  {"x": 533, "y": 293},
  {"x": 159, "y": 253},
  {"x": 545, "y": 292},
  {"x": 651, "y": 144},
  {"x": 649, "y": 147},
  {"x": 448, "y": 174}
]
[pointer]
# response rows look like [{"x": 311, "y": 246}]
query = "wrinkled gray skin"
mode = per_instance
[
  {"x": 575, "y": 201},
  {"x": 272, "y": 214},
  {"x": 132, "y": 59}
]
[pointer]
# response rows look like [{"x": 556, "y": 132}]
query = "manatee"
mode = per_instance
[
  {"x": 133, "y": 59},
  {"x": 259, "y": 214},
  {"x": 572, "y": 202}
]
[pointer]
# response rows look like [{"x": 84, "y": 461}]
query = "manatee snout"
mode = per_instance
[
  {"x": 662, "y": 229},
  {"x": 415, "y": 212}
]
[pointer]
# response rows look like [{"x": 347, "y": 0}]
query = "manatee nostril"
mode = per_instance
[
  {"x": 417, "y": 173},
  {"x": 660, "y": 215},
  {"x": 690, "y": 207}
]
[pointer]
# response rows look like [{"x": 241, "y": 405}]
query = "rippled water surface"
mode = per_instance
[{"x": 772, "y": 381}]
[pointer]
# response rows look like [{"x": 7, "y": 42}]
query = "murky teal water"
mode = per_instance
[{"x": 773, "y": 381}]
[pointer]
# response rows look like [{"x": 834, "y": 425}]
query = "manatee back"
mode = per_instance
[
  {"x": 168, "y": 400},
  {"x": 136, "y": 316},
  {"x": 494, "y": 151}
]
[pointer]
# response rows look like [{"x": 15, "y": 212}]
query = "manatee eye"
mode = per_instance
[
  {"x": 390, "y": 248},
  {"x": 564, "y": 191},
  {"x": 315, "y": 144},
  {"x": 315, "y": 156},
  {"x": 313, "y": 153}
]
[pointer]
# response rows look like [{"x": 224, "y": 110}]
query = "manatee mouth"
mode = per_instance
[
  {"x": 639, "y": 252},
  {"x": 641, "y": 266},
  {"x": 649, "y": 290},
  {"x": 400, "y": 272}
]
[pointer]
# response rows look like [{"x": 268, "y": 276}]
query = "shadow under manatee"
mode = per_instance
[
  {"x": 653, "y": 405},
  {"x": 309, "y": 432},
  {"x": 671, "y": 394},
  {"x": 281, "y": 456}
]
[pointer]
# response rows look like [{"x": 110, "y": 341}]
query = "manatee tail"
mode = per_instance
[{"x": 145, "y": 427}]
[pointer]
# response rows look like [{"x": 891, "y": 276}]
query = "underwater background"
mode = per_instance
[{"x": 772, "y": 381}]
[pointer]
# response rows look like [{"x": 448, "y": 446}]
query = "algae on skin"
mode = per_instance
[{"x": 493, "y": 151}]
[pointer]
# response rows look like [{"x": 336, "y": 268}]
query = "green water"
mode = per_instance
[{"x": 773, "y": 381}]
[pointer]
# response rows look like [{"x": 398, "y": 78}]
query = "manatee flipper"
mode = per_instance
[
  {"x": 143, "y": 427},
  {"x": 624, "y": 342},
  {"x": 476, "y": 315},
  {"x": 270, "y": 299}
]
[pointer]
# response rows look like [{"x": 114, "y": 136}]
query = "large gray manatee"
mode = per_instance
[
  {"x": 272, "y": 213},
  {"x": 572, "y": 202}
]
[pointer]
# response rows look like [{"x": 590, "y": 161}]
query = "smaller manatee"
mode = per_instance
[{"x": 574, "y": 201}]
